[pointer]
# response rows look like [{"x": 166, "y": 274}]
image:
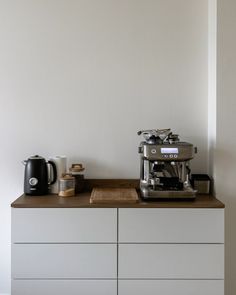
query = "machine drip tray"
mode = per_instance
[{"x": 160, "y": 194}]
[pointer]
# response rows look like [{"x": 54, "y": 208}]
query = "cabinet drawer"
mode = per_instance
[
  {"x": 171, "y": 261},
  {"x": 171, "y": 287},
  {"x": 64, "y": 225},
  {"x": 64, "y": 261},
  {"x": 62, "y": 287},
  {"x": 154, "y": 225}
]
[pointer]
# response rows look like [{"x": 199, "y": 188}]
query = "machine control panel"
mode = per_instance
[{"x": 168, "y": 152}]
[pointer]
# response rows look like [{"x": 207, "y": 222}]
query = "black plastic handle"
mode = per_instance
[{"x": 54, "y": 168}]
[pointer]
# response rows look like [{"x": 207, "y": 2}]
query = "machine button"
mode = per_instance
[
  {"x": 175, "y": 156},
  {"x": 33, "y": 181},
  {"x": 153, "y": 151},
  {"x": 171, "y": 156}
]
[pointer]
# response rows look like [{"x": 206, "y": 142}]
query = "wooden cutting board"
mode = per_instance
[{"x": 113, "y": 195}]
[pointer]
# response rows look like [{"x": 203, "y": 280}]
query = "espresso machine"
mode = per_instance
[{"x": 165, "y": 166}]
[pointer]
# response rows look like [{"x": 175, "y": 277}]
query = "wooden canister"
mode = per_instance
[{"x": 75, "y": 171}]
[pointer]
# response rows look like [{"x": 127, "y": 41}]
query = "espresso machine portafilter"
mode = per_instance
[{"x": 165, "y": 165}]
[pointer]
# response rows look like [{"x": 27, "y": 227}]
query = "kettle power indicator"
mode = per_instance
[{"x": 33, "y": 181}]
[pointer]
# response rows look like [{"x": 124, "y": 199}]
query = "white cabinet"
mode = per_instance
[
  {"x": 171, "y": 251},
  {"x": 118, "y": 251},
  {"x": 63, "y": 287},
  {"x": 74, "y": 225},
  {"x": 71, "y": 261},
  {"x": 171, "y": 225},
  {"x": 171, "y": 287},
  {"x": 171, "y": 261},
  {"x": 64, "y": 251}
]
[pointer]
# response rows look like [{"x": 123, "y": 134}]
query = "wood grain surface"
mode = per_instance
[
  {"x": 82, "y": 200},
  {"x": 114, "y": 195}
]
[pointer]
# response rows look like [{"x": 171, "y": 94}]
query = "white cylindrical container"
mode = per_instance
[{"x": 61, "y": 165}]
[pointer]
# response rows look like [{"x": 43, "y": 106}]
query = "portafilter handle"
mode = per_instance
[
  {"x": 151, "y": 131},
  {"x": 155, "y": 132},
  {"x": 141, "y": 131}
]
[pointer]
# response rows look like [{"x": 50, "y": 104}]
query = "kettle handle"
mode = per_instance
[{"x": 54, "y": 168}]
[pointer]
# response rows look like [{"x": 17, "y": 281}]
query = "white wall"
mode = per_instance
[
  {"x": 82, "y": 77},
  {"x": 225, "y": 164}
]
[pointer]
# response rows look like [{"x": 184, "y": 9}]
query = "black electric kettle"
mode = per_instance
[{"x": 37, "y": 179}]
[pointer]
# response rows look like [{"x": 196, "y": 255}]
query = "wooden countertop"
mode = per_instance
[{"x": 82, "y": 199}]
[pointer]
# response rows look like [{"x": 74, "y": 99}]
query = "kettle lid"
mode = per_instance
[{"x": 36, "y": 157}]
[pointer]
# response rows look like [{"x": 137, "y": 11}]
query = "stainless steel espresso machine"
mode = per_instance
[{"x": 164, "y": 169}]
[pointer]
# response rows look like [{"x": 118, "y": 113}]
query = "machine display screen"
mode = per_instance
[{"x": 169, "y": 150}]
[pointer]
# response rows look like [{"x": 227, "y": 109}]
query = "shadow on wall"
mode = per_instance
[
  {"x": 225, "y": 185},
  {"x": 199, "y": 164}
]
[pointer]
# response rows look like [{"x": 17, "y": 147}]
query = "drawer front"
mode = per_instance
[
  {"x": 62, "y": 287},
  {"x": 171, "y": 261},
  {"x": 57, "y": 261},
  {"x": 154, "y": 225},
  {"x": 171, "y": 287},
  {"x": 64, "y": 225}
]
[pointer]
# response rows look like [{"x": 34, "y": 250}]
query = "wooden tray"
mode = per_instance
[{"x": 113, "y": 195}]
